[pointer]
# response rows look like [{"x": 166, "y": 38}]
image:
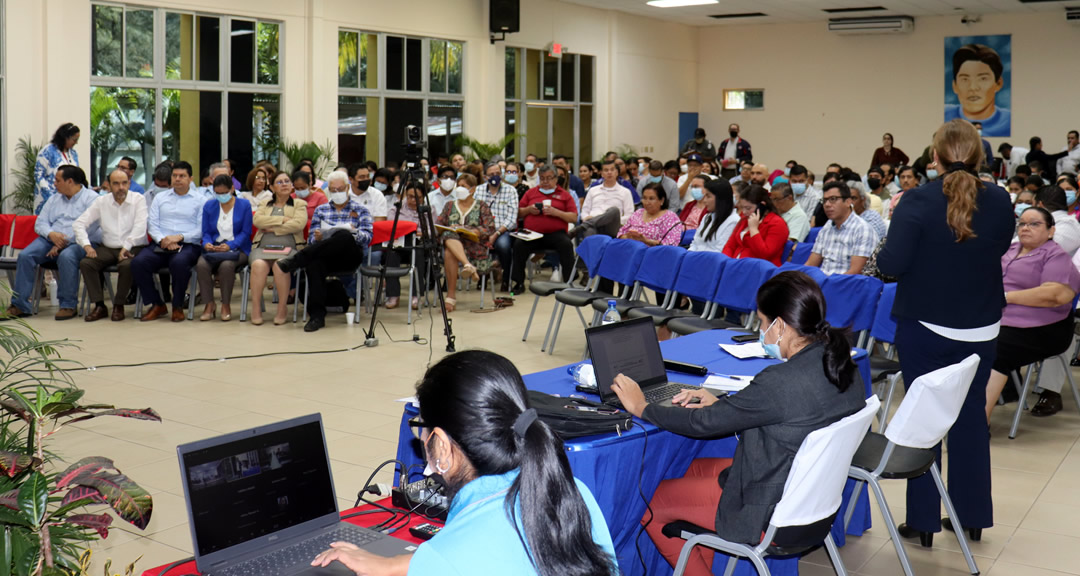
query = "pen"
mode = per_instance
[{"x": 733, "y": 377}]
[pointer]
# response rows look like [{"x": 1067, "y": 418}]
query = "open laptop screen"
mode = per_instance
[
  {"x": 248, "y": 487},
  {"x": 629, "y": 347}
]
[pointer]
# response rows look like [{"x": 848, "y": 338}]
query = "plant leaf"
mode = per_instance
[
  {"x": 5, "y": 554},
  {"x": 130, "y": 501},
  {"x": 11, "y": 463},
  {"x": 33, "y": 496},
  {"x": 89, "y": 465},
  {"x": 8, "y": 516},
  {"x": 10, "y": 499},
  {"x": 82, "y": 493},
  {"x": 99, "y": 522},
  {"x": 143, "y": 414}
]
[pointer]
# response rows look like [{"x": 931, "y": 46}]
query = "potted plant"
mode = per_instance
[
  {"x": 483, "y": 150},
  {"x": 22, "y": 200},
  {"x": 294, "y": 152}
]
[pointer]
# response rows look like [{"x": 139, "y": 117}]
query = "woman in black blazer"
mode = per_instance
[
  {"x": 945, "y": 245},
  {"x": 817, "y": 386}
]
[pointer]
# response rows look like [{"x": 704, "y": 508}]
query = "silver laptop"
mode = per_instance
[
  {"x": 631, "y": 348},
  {"x": 262, "y": 501}
]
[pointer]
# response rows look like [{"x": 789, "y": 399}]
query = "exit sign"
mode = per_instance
[{"x": 555, "y": 50}]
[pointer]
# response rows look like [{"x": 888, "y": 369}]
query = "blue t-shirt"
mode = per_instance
[
  {"x": 997, "y": 125},
  {"x": 479, "y": 539}
]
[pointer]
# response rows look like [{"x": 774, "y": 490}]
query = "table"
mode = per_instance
[
  {"x": 366, "y": 521},
  {"x": 611, "y": 465}
]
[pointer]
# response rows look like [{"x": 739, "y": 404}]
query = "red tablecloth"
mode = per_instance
[
  {"x": 366, "y": 520},
  {"x": 382, "y": 230}
]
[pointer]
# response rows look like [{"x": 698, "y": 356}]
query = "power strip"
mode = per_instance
[{"x": 424, "y": 495}]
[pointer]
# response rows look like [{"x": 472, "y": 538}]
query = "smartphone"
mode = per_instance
[
  {"x": 596, "y": 409},
  {"x": 743, "y": 338},
  {"x": 761, "y": 211},
  {"x": 539, "y": 206}
]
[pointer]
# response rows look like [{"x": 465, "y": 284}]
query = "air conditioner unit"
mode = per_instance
[
  {"x": 882, "y": 25},
  {"x": 1072, "y": 15}
]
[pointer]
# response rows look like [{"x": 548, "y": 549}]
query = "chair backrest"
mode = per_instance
[
  {"x": 24, "y": 232},
  {"x": 812, "y": 236},
  {"x": 788, "y": 247},
  {"x": 700, "y": 274},
  {"x": 801, "y": 253},
  {"x": 660, "y": 267},
  {"x": 815, "y": 484},
  {"x": 884, "y": 328},
  {"x": 851, "y": 299},
  {"x": 739, "y": 284},
  {"x": 7, "y": 229},
  {"x": 687, "y": 237},
  {"x": 932, "y": 404},
  {"x": 815, "y": 273},
  {"x": 591, "y": 251},
  {"x": 621, "y": 260}
]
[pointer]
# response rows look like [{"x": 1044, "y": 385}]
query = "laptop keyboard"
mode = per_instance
[
  {"x": 283, "y": 561},
  {"x": 665, "y": 392}
]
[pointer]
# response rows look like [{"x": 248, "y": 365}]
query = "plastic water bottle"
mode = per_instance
[
  {"x": 54, "y": 295},
  {"x": 612, "y": 315}
]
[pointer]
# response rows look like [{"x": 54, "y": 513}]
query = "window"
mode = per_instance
[
  {"x": 216, "y": 93},
  {"x": 555, "y": 115},
  {"x": 744, "y": 99},
  {"x": 387, "y": 82}
]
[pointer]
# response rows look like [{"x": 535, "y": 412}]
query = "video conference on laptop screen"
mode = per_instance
[
  {"x": 255, "y": 486},
  {"x": 628, "y": 348}
]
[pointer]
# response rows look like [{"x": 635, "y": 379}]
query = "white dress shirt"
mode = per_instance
[
  {"x": 373, "y": 200},
  {"x": 1066, "y": 232},
  {"x": 122, "y": 225},
  {"x": 600, "y": 199},
  {"x": 1068, "y": 163},
  {"x": 1017, "y": 157}
]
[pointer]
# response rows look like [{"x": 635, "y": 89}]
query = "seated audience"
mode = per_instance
[
  {"x": 1067, "y": 182},
  {"x": 437, "y": 198},
  {"x": 653, "y": 224},
  {"x": 226, "y": 243},
  {"x": 908, "y": 180},
  {"x": 802, "y": 186},
  {"x": 1015, "y": 185},
  {"x": 162, "y": 181},
  {"x": 475, "y": 216},
  {"x": 129, "y": 165},
  {"x": 846, "y": 241},
  {"x": 501, "y": 198},
  {"x": 761, "y": 232},
  {"x": 607, "y": 206},
  {"x": 818, "y": 385},
  {"x": 694, "y": 168},
  {"x": 340, "y": 232},
  {"x": 480, "y": 436},
  {"x": 719, "y": 221},
  {"x": 363, "y": 194},
  {"x": 175, "y": 225},
  {"x": 394, "y": 258},
  {"x": 585, "y": 173},
  {"x": 892, "y": 186},
  {"x": 311, "y": 195},
  {"x": 745, "y": 170},
  {"x": 1066, "y": 229},
  {"x": 860, "y": 201},
  {"x": 875, "y": 179},
  {"x": 576, "y": 185},
  {"x": 547, "y": 209},
  {"x": 783, "y": 198},
  {"x": 56, "y": 243},
  {"x": 759, "y": 175},
  {"x": 121, "y": 217},
  {"x": 1037, "y": 323},
  {"x": 694, "y": 210},
  {"x": 257, "y": 189},
  {"x": 657, "y": 172},
  {"x": 281, "y": 226}
]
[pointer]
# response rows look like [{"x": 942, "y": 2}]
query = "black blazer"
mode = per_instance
[
  {"x": 940, "y": 281},
  {"x": 773, "y": 415}
]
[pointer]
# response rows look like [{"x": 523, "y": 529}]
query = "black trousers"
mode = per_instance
[
  {"x": 558, "y": 241},
  {"x": 393, "y": 259},
  {"x": 338, "y": 253}
]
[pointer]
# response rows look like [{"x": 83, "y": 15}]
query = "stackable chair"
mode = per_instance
[
  {"x": 1029, "y": 385},
  {"x": 16, "y": 233},
  {"x": 737, "y": 290},
  {"x": 814, "y": 273},
  {"x": 803, "y": 518},
  {"x": 812, "y": 236},
  {"x": 905, "y": 451},
  {"x": 850, "y": 300},
  {"x": 657, "y": 272},
  {"x": 801, "y": 253},
  {"x": 590, "y": 251},
  {"x": 698, "y": 277},
  {"x": 884, "y": 369},
  {"x": 788, "y": 247}
]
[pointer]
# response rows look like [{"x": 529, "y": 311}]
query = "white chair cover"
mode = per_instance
[
  {"x": 931, "y": 405},
  {"x": 815, "y": 484}
]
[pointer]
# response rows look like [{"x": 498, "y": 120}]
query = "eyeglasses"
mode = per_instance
[
  {"x": 1033, "y": 225},
  {"x": 417, "y": 427},
  {"x": 832, "y": 199},
  {"x": 260, "y": 177}
]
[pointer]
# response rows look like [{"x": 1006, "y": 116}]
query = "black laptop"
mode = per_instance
[
  {"x": 631, "y": 348},
  {"x": 262, "y": 501}
]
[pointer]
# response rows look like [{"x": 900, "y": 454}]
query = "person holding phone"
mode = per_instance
[
  {"x": 226, "y": 240},
  {"x": 761, "y": 232}
]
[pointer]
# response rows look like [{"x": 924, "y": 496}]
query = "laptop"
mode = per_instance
[
  {"x": 262, "y": 501},
  {"x": 631, "y": 348}
]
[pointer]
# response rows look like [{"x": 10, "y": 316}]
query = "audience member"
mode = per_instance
[
  {"x": 437, "y": 198},
  {"x": 657, "y": 172},
  {"x": 282, "y": 229},
  {"x": 226, "y": 243},
  {"x": 129, "y": 166},
  {"x": 1070, "y": 162},
  {"x": 532, "y": 174},
  {"x": 745, "y": 169},
  {"x": 699, "y": 145},
  {"x": 761, "y": 232},
  {"x": 653, "y": 224},
  {"x": 693, "y": 210},
  {"x": 311, "y": 195},
  {"x": 860, "y": 199},
  {"x": 1048, "y": 162},
  {"x": 908, "y": 180},
  {"x": 607, "y": 206},
  {"x": 577, "y": 186},
  {"x": 845, "y": 241},
  {"x": 465, "y": 212},
  {"x": 694, "y": 168},
  {"x": 502, "y": 199},
  {"x": 759, "y": 176},
  {"x": 361, "y": 193},
  {"x": 1066, "y": 228},
  {"x": 875, "y": 180},
  {"x": 808, "y": 197},
  {"x": 121, "y": 217},
  {"x": 887, "y": 154},
  {"x": 546, "y": 209},
  {"x": 717, "y": 225},
  {"x": 890, "y": 180},
  {"x": 257, "y": 191},
  {"x": 783, "y": 198},
  {"x": 162, "y": 181},
  {"x": 60, "y": 151},
  {"x": 380, "y": 182},
  {"x": 393, "y": 258},
  {"x": 988, "y": 152},
  {"x": 1013, "y": 157},
  {"x": 733, "y": 152}
]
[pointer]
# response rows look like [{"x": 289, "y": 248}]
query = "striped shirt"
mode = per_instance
[
  {"x": 503, "y": 205},
  {"x": 837, "y": 245},
  {"x": 355, "y": 215},
  {"x": 875, "y": 221}
]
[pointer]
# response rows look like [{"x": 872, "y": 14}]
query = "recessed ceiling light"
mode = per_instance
[{"x": 678, "y": 3}]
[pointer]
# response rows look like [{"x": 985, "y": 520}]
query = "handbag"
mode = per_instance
[
  {"x": 279, "y": 242},
  {"x": 214, "y": 258},
  {"x": 569, "y": 422}
]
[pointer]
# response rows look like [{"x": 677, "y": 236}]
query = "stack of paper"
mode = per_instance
[
  {"x": 727, "y": 383},
  {"x": 744, "y": 351}
]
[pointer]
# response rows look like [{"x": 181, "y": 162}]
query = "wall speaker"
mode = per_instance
[{"x": 505, "y": 16}]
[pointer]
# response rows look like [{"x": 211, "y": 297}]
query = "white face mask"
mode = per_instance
[
  {"x": 447, "y": 184},
  {"x": 683, "y": 168},
  {"x": 339, "y": 197},
  {"x": 461, "y": 193}
]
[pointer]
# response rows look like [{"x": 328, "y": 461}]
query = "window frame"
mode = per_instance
[
  {"x": 744, "y": 91},
  {"x": 521, "y": 142}
]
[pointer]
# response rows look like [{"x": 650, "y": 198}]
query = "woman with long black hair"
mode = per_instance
[
  {"x": 516, "y": 508},
  {"x": 58, "y": 152},
  {"x": 816, "y": 386},
  {"x": 717, "y": 225}
]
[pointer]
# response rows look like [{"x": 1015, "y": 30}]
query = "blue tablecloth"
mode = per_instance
[{"x": 612, "y": 465}]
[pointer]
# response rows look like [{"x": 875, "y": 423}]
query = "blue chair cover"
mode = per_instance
[
  {"x": 801, "y": 253},
  {"x": 788, "y": 247},
  {"x": 884, "y": 329},
  {"x": 851, "y": 300},
  {"x": 812, "y": 236},
  {"x": 591, "y": 251},
  {"x": 739, "y": 284},
  {"x": 700, "y": 274},
  {"x": 621, "y": 261},
  {"x": 815, "y": 273},
  {"x": 660, "y": 267},
  {"x": 687, "y": 237}
]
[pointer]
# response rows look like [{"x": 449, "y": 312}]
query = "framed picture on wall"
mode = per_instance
[{"x": 978, "y": 82}]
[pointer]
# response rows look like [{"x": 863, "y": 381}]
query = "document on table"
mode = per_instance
[
  {"x": 727, "y": 382},
  {"x": 744, "y": 351}
]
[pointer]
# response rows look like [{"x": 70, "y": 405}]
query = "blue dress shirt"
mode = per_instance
[
  {"x": 59, "y": 213},
  {"x": 172, "y": 214}
]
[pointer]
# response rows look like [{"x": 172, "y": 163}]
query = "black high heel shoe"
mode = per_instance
[
  {"x": 925, "y": 538},
  {"x": 974, "y": 534}
]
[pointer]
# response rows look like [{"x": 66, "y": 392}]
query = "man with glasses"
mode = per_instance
[
  {"x": 846, "y": 241},
  {"x": 790, "y": 210},
  {"x": 501, "y": 197},
  {"x": 546, "y": 209},
  {"x": 128, "y": 165}
]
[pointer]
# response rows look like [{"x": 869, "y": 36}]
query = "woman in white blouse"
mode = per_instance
[
  {"x": 226, "y": 243},
  {"x": 715, "y": 227}
]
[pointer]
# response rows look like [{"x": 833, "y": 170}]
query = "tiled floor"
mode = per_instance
[{"x": 1036, "y": 476}]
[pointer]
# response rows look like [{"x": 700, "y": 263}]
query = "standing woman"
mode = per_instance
[
  {"x": 57, "y": 153},
  {"x": 886, "y": 154},
  {"x": 945, "y": 247},
  {"x": 226, "y": 242}
]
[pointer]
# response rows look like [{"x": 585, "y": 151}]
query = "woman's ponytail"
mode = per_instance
[
  {"x": 959, "y": 148},
  {"x": 839, "y": 367}
]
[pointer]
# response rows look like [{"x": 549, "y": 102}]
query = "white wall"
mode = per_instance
[{"x": 829, "y": 98}]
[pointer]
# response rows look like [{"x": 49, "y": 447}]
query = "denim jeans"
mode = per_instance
[
  {"x": 67, "y": 277},
  {"x": 504, "y": 249}
]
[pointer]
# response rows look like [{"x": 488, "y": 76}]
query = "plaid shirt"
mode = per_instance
[
  {"x": 363, "y": 223},
  {"x": 875, "y": 221},
  {"x": 837, "y": 245},
  {"x": 504, "y": 205}
]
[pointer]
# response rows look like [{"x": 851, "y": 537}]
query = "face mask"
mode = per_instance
[
  {"x": 303, "y": 193},
  {"x": 787, "y": 171},
  {"x": 684, "y": 168},
  {"x": 655, "y": 179},
  {"x": 931, "y": 174},
  {"x": 773, "y": 350},
  {"x": 980, "y": 132},
  {"x": 697, "y": 193},
  {"x": 461, "y": 193},
  {"x": 380, "y": 187},
  {"x": 641, "y": 168},
  {"x": 494, "y": 181},
  {"x": 512, "y": 178},
  {"x": 339, "y": 197},
  {"x": 1070, "y": 197},
  {"x": 1020, "y": 208},
  {"x": 873, "y": 183},
  {"x": 428, "y": 470},
  {"x": 896, "y": 180},
  {"x": 799, "y": 188},
  {"x": 547, "y": 191},
  {"x": 363, "y": 185},
  {"x": 224, "y": 198},
  {"x": 447, "y": 184},
  {"x": 529, "y": 166},
  {"x": 733, "y": 134},
  {"x": 104, "y": 193}
]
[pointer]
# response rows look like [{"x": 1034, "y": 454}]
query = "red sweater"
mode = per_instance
[{"x": 767, "y": 244}]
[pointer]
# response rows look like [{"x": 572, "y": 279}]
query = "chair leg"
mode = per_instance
[
  {"x": 528, "y": 324},
  {"x": 307, "y": 291},
  {"x": 855, "y": 493},
  {"x": 483, "y": 290},
  {"x": 555, "y": 333},
  {"x": 584, "y": 324},
  {"x": 551, "y": 323},
  {"x": 245, "y": 289},
  {"x": 732, "y": 562},
  {"x": 834, "y": 555},
  {"x": 951, "y": 510},
  {"x": 193, "y": 288},
  {"x": 1072, "y": 383},
  {"x": 890, "y": 524},
  {"x": 888, "y": 400},
  {"x": 1020, "y": 405},
  {"x": 684, "y": 557}
]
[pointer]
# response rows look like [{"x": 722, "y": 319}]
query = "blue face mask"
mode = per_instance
[
  {"x": 697, "y": 193},
  {"x": 224, "y": 198},
  {"x": 799, "y": 188},
  {"x": 773, "y": 350},
  {"x": 931, "y": 174},
  {"x": 512, "y": 178},
  {"x": 547, "y": 191},
  {"x": 494, "y": 181},
  {"x": 1020, "y": 208},
  {"x": 1070, "y": 197},
  {"x": 655, "y": 179},
  {"x": 380, "y": 186},
  {"x": 787, "y": 171},
  {"x": 529, "y": 166},
  {"x": 896, "y": 180}
]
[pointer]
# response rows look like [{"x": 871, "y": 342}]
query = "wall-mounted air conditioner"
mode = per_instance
[{"x": 880, "y": 25}]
